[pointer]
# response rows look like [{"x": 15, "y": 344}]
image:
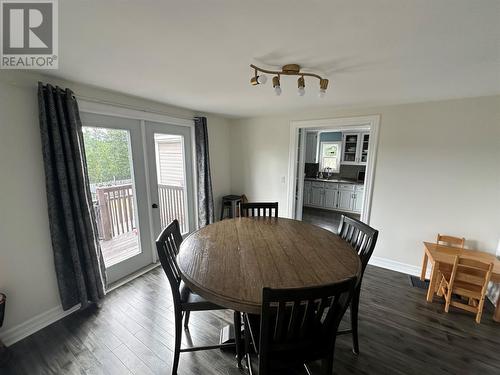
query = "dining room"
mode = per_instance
[{"x": 229, "y": 188}]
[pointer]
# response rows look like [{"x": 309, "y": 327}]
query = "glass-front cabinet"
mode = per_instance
[{"x": 355, "y": 148}]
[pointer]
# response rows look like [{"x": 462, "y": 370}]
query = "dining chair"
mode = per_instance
[
  {"x": 296, "y": 326},
  {"x": 184, "y": 299},
  {"x": 469, "y": 279},
  {"x": 264, "y": 209},
  {"x": 363, "y": 239}
]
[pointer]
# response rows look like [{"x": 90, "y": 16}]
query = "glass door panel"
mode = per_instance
[
  {"x": 350, "y": 148},
  {"x": 364, "y": 147},
  {"x": 110, "y": 171},
  {"x": 171, "y": 179},
  {"x": 115, "y": 165}
]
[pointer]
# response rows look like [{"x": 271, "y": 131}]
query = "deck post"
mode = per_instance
[{"x": 103, "y": 207}]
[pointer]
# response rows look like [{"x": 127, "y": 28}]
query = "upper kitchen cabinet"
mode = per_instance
[{"x": 355, "y": 148}]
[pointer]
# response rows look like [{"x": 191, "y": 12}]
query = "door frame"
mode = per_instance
[
  {"x": 357, "y": 123},
  {"x": 143, "y": 116}
]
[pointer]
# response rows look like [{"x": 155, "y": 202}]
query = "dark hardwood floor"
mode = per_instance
[
  {"x": 132, "y": 333},
  {"x": 326, "y": 219}
]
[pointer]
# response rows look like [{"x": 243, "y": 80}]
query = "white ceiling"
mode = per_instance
[{"x": 195, "y": 53}]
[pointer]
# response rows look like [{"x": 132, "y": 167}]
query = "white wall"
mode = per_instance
[
  {"x": 26, "y": 262},
  {"x": 437, "y": 170}
]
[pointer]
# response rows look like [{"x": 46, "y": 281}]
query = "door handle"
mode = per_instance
[{"x": 154, "y": 205}]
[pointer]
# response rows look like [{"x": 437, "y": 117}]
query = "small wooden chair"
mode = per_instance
[
  {"x": 469, "y": 278},
  {"x": 443, "y": 239}
]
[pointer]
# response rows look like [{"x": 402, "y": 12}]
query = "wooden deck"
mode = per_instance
[{"x": 120, "y": 248}]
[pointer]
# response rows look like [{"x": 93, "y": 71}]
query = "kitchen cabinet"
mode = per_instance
[
  {"x": 331, "y": 198},
  {"x": 346, "y": 198},
  {"x": 355, "y": 148},
  {"x": 307, "y": 193},
  {"x": 334, "y": 196},
  {"x": 359, "y": 194},
  {"x": 317, "y": 195}
]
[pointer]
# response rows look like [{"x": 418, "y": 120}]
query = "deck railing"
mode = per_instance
[
  {"x": 172, "y": 205},
  {"x": 114, "y": 209}
]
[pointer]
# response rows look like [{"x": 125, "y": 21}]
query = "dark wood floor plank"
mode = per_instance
[{"x": 133, "y": 333}]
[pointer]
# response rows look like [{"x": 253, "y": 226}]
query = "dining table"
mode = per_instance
[
  {"x": 438, "y": 255},
  {"x": 231, "y": 261}
]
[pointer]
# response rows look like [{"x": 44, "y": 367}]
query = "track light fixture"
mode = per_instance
[{"x": 290, "y": 70}]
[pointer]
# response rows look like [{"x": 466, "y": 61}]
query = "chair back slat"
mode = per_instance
[
  {"x": 471, "y": 271},
  {"x": 259, "y": 209},
  {"x": 443, "y": 239},
  {"x": 167, "y": 246},
  {"x": 302, "y": 320},
  {"x": 360, "y": 236}
]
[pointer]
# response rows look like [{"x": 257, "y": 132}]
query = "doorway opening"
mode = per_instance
[{"x": 331, "y": 169}]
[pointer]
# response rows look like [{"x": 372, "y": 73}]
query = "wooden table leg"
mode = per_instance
[
  {"x": 424, "y": 267},
  {"x": 433, "y": 280},
  {"x": 496, "y": 316}
]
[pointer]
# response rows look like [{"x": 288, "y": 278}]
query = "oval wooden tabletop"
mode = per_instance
[{"x": 229, "y": 262}]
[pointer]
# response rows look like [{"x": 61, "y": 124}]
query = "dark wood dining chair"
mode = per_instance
[
  {"x": 362, "y": 239},
  {"x": 297, "y": 326},
  {"x": 184, "y": 299},
  {"x": 259, "y": 209}
]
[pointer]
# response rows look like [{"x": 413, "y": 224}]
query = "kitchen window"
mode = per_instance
[{"x": 330, "y": 156}]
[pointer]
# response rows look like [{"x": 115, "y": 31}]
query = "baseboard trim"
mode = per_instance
[
  {"x": 397, "y": 266},
  {"x": 38, "y": 322}
]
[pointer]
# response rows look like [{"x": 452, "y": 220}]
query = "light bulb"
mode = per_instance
[
  {"x": 277, "y": 90},
  {"x": 262, "y": 79},
  {"x": 322, "y": 93},
  {"x": 301, "y": 91}
]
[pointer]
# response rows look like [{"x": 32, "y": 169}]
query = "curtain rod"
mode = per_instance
[{"x": 136, "y": 108}]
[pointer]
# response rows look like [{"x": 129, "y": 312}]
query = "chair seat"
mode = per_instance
[{"x": 191, "y": 301}]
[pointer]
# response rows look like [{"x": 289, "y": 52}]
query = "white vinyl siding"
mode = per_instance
[{"x": 170, "y": 162}]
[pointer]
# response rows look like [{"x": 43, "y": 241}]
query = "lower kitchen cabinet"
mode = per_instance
[
  {"x": 330, "y": 198},
  {"x": 317, "y": 196},
  {"x": 346, "y": 198},
  {"x": 333, "y": 196}
]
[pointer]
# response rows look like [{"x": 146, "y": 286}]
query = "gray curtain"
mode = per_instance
[
  {"x": 77, "y": 255},
  {"x": 206, "y": 213}
]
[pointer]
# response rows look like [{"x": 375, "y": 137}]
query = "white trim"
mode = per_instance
[
  {"x": 40, "y": 321},
  {"x": 358, "y": 123},
  {"x": 32, "y": 325},
  {"x": 118, "y": 111},
  {"x": 393, "y": 265}
]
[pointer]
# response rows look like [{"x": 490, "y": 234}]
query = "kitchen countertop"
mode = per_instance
[{"x": 337, "y": 180}]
